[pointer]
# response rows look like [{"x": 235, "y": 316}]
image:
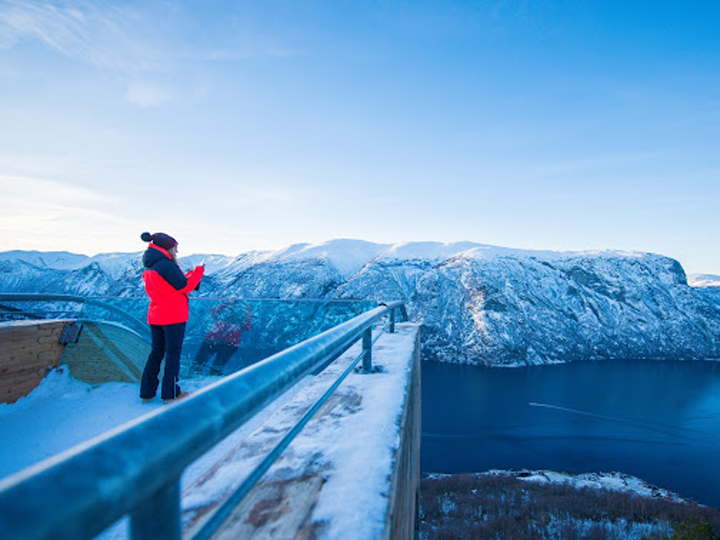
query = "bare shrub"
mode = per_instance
[{"x": 503, "y": 506}]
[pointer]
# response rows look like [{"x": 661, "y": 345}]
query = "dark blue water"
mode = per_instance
[{"x": 659, "y": 421}]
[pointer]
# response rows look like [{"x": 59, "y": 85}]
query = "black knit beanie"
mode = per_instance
[{"x": 162, "y": 240}]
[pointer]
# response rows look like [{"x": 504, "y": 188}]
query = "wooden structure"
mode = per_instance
[
  {"x": 28, "y": 350},
  {"x": 103, "y": 352},
  {"x": 106, "y": 352}
]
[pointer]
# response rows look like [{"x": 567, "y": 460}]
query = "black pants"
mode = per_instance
[{"x": 167, "y": 342}]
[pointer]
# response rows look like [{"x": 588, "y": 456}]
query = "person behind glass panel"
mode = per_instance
[{"x": 230, "y": 320}]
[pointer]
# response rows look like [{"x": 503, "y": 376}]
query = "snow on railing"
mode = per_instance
[{"x": 135, "y": 469}]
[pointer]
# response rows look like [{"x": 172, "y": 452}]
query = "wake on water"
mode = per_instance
[{"x": 669, "y": 430}]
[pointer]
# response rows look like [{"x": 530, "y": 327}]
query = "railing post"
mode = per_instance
[
  {"x": 367, "y": 350},
  {"x": 392, "y": 320},
  {"x": 158, "y": 516}
]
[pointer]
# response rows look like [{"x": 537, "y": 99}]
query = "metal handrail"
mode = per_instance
[
  {"x": 215, "y": 521},
  {"x": 136, "y": 468}
]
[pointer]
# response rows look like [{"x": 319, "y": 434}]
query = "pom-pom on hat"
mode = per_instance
[{"x": 162, "y": 240}]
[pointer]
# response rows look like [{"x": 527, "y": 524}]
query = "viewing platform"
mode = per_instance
[{"x": 320, "y": 440}]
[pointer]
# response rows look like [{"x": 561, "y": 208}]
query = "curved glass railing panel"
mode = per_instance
[
  {"x": 225, "y": 335},
  {"x": 18, "y": 307},
  {"x": 222, "y": 336}
]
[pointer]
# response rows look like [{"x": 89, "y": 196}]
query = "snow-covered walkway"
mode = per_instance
[{"x": 63, "y": 412}]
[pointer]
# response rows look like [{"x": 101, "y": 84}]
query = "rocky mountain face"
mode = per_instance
[{"x": 476, "y": 303}]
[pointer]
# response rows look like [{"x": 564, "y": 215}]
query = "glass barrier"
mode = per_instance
[
  {"x": 226, "y": 335},
  {"x": 11, "y": 310},
  {"x": 222, "y": 336}
]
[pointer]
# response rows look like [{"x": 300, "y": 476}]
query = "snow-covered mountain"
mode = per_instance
[
  {"x": 477, "y": 303},
  {"x": 704, "y": 280}
]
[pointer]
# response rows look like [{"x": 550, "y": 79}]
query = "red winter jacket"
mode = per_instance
[
  {"x": 231, "y": 319},
  {"x": 168, "y": 287}
]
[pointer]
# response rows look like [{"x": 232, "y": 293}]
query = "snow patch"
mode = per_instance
[
  {"x": 63, "y": 412},
  {"x": 347, "y": 256},
  {"x": 615, "y": 481}
]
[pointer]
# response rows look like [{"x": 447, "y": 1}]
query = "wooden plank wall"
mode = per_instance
[
  {"x": 106, "y": 352},
  {"x": 28, "y": 350}
]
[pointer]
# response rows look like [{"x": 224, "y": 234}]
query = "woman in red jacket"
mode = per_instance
[{"x": 168, "y": 289}]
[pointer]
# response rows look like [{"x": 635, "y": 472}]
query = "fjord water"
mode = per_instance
[{"x": 658, "y": 420}]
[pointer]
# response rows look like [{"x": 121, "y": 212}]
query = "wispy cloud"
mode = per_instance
[
  {"x": 31, "y": 190},
  {"x": 149, "y": 95},
  {"x": 142, "y": 43},
  {"x": 40, "y": 212},
  {"x": 246, "y": 51},
  {"x": 98, "y": 33},
  {"x": 47, "y": 23},
  {"x": 113, "y": 35}
]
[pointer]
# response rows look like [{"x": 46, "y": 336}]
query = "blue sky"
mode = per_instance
[{"x": 235, "y": 126}]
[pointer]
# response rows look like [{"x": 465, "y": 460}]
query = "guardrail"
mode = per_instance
[
  {"x": 136, "y": 468},
  {"x": 132, "y": 322}
]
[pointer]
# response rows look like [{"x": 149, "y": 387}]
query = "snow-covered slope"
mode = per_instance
[
  {"x": 707, "y": 285},
  {"x": 703, "y": 280},
  {"x": 58, "y": 260},
  {"x": 477, "y": 303}
]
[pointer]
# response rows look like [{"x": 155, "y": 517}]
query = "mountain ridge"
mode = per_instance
[{"x": 476, "y": 303}]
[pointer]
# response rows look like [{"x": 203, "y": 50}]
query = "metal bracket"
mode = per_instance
[{"x": 71, "y": 333}]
